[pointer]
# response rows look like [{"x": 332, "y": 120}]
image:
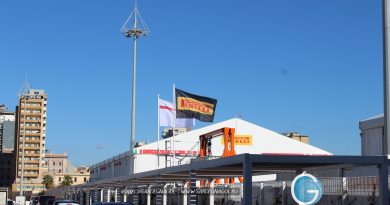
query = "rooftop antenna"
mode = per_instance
[
  {"x": 135, "y": 31},
  {"x": 25, "y": 88}
]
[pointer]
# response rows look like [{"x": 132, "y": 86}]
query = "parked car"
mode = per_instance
[
  {"x": 50, "y": 202},
  {"x": 10, "y": 202},
  {"x": 41, "y": 200},
  {"x": 65, "y": 202},
  {"x": 33, "y": 200},
  {"x": 111, "y": 203}
]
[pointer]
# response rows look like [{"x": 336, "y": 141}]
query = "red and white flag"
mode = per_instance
[{"x": 167, "y": 114}]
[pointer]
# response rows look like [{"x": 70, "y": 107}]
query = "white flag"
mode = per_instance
[{"x": 166, "y": 116}]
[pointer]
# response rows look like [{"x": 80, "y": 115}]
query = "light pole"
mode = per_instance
[
  {"x": 135, "y": 32},
  {"x": 386, "y": 75}
]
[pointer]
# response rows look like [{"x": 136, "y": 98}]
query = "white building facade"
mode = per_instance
[{"x": 372, "y": 133}]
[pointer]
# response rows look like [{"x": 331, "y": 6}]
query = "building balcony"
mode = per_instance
[
  {"x": 32, "y": 141},
  {"x": 29, "y": 162},
  {"x": 30, "y": 154},
  {"x": 30, "y": 168},
  {"x": 25, "y": 170},
  {"x": 29, "y": 148},
  {"x": 31, "y": 134},
  {"x": 30, "y": 114},
  {"x": 29, "y": 107},
  {"x": 31, "y": 127},
  {"x": 30, "y": 175},
  {"x": 30, "y": 120},
  {"x": 32, "y": 100}
]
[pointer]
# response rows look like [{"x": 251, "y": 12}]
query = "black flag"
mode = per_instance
[{"x": 194, "y": 106}]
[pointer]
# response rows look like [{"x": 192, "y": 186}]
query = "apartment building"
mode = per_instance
[{"x": 30, "y": 137}]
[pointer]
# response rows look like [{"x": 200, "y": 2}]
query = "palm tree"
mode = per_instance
[
  {"x": 67, "y": 181},
  {"x": 47, "y": 181}
]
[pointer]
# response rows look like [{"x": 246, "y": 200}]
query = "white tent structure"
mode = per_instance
[{"x": 252, "y": 139}]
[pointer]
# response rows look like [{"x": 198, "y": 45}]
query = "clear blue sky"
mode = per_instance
[{"x": 311, "y": 66}]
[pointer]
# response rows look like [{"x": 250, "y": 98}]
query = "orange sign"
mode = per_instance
[
  {"x": 186, "y": 103},
  {"x": 244, "y": 140}
]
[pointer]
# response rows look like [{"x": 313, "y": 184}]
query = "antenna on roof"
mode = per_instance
[{"x": 25, "y": 88}]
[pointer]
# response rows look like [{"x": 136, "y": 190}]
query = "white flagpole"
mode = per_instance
[
  {"x": 174, "y": 123},
  {"x": 158, "y": 130}
]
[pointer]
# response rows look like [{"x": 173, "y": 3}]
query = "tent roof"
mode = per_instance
[{"x": 264, "y": 141}]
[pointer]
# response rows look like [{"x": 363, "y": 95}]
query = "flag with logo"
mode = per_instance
[
  {"x": 194, "y": 106},
  {"x": 166, "y": 110}
]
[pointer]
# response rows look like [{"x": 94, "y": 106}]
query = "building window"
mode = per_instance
[
  {"x": 59, "y": 179},
  {"x": 75, "y": 179},
  {"x": 54, "y": 163},
  {"x": 60, "y": 163},
  {"x": 85, "y": 179}
]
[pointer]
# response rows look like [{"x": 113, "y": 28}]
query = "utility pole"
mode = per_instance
[{"x": 135, "y": 32}]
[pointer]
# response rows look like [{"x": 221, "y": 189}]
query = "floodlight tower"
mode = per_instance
[{"x": 137, "y": 31}]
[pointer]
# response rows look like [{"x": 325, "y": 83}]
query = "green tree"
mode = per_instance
[
  {"x": 67, "y": 181},
  {"x": 48, "y": 181}
]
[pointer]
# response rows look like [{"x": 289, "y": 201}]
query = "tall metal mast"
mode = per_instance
[
  {"x": 137, "y": 30},
  {"x": 386, "y": 76}
]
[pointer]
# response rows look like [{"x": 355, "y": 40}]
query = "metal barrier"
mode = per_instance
[{"x": 337, "y": 191}]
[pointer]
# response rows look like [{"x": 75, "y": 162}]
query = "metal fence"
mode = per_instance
[{"x": 336, "y": 191}]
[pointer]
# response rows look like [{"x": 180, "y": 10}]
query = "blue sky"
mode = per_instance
[{"x": 310, "y": 66}]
